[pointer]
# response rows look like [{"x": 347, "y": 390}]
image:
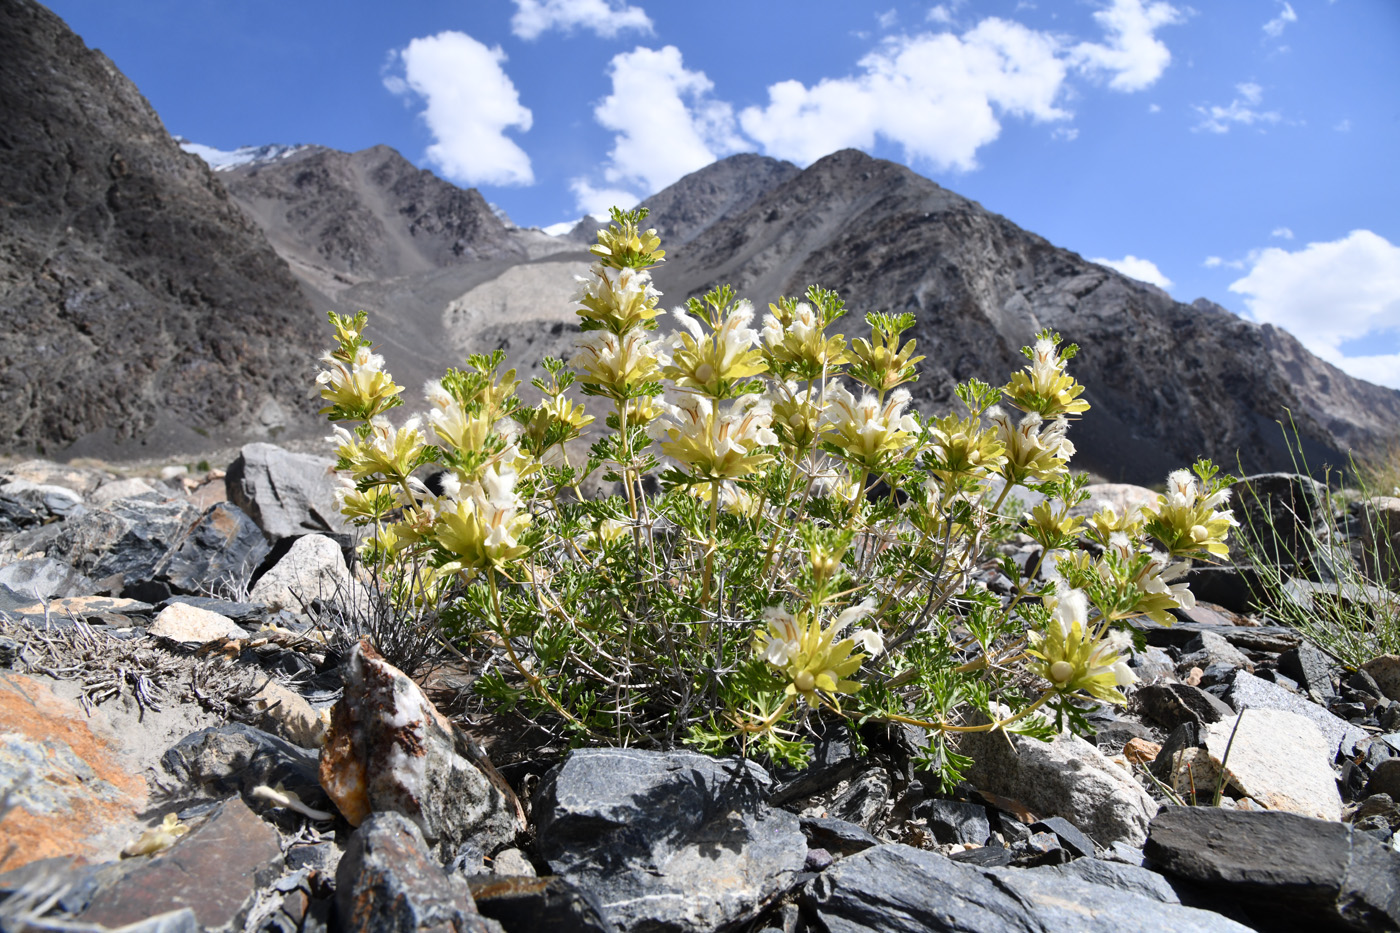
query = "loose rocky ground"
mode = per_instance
[{"x": 176, "y": 687}]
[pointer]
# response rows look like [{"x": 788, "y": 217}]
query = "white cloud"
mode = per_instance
[
  {"x": 1274, "y": 27},
  {"x": 1343, "y": 127},
  {"x": 939, "y": 96},
  {"x": 596, "y": 202},
  {"x": 887, "y": 19},
  {"x": 940, "y": 14},
  {"x": 1154, "y": 108},
  {"x": 1215, "y": 262},
  {"x": 1329, "y": 293},
  {"x": 1133, "y": 55},
  {"x": 1144, "y": 270},
  {"x": 606, "y": 18},
  {"x": 1283, "y": 233},
  {"x": 469, "y": 104},
  {"x": 1242, "y": 110},
  {"x": 1065, "y": 133},
  {"x": 667, "y": 126}
]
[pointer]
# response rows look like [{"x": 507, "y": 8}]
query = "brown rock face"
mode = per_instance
[
  {"x": 67, "y": 782},
  {"x": 389, "y": 749},
  {"x": 136, "y": 301}
]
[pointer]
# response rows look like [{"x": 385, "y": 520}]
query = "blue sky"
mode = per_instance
[{"x": 1244, "y": 151}]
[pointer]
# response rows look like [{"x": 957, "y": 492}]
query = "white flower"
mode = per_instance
[
  {"x": 855, "y": 613},
  {"x": 870, "y": 641},
  {"x": 783, "y": 638}
]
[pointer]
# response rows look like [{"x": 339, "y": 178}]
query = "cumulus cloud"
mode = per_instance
[
  {"x": 1133, "y": 57},
  {"x": 1327, "y": 294},
  {"x": 605, "y": 18},
  {"x": 940, "y": 96},
  {"x": 667, "y": 125},
  {"x": 596, "y": 202},
  {"x": 469, "y": 103},
  {"x": 1274, "y": 27},
  {"x": 1144, "y": 270},
  {"x": 1243, "y": 110}
]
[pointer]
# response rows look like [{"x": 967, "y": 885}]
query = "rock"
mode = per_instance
[
  {"x": 67, "y": 790},
  {"x": 1380, "y": 537},
  {"x": 285, "y": 494},
  {"x": 1078, "y": 844},
  {"x": 1250, "y": 692},
  {"x": 1271, "y": 639},
  {"x": 1384, "y": 670},
  {"x": 1291, "y": 871},
  {"x": 1385, "y": 779},
  {"x": 235, "y": 758},
  {"x": 1169, "y": 705},
  {"x": 45, "y": 578},
  {"x": 23, "y": 503},
  {"x": 1065, "y": 777},
  {"x": 218, "y": 555},
  {"x": 1210, "y": 649},
  {"x": 898, "y": 888},
  {"x": 1038, "y": 849},
  {"x": 94, "y": 610},
  {"x": 838, "y": 836},
  {"x": 667, "y": 841},
  {"x": 538, "y": 905},
  {"x": 1153, "y": 665},
  {"x": 389, "y": 749},
  {"x": 1279, "y": 759},
  {"x": 248, "y": 615},
  {"x": 1277, "y": 512},
  {"x": 1310, "y": 668},
  {"x": 387, "y": 880},
  {"x": 129, "y": 537},
  {"x": 290, "y": 715},
  {"x": 865, "y": 801},
  {"x": 216, "y": 871},
  {"x": 512, "y": 863},
  {"x": 314, "y": 568},
  {"x": 1140, "y": 751},
  {"x": 81, "y": 480},
  {"x": 1232, "y": 586},
  {"x": 190, "y": 624},
  {"x": 130, "y": 488},
  {"x": 953, "y": 821}
]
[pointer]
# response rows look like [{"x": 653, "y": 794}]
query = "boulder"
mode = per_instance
[
  {"x": 389, "y": 749},
  {"x": 1250, "y": 692},
  {"x": 1290, "y": 871},
  {"x": 673, "y": 841},
  {"x": 45, "y": 578},
  {"x": 1280, "y": 760},
  {"x": 1065, "y": 777},
  {"x": 128, "y": 537},
  {"x": 1277, "y": 513},
  {"x": 314, "y": 568},
  {"x": 217, "y": 555},
  {"x": 286, "y": 494},
  {"x": 388, "y": 880}
]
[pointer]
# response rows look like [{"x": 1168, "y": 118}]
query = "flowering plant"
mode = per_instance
[{"x": 787, "y": 537}]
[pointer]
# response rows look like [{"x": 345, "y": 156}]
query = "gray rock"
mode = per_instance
[
  {"x": 130, "y": 488},
  {"x": 314, "y": 568},
  {"x": 129, "y": 537},
  {"x": 29, "y": 503},
  {"x": 1250, "y": 692},
  {"x": 838, "y": 836},
  {"x": 1310, "y": 668},
  {"x": 235, "y": 758},
  {"x": 1385, "y": 671},
  {"x": 1078, "y": 844},
  {"x": 1277, "y": 511},
  {"x": 387, "y": 880},
  {"x": 865, "y": 801},
  {"x": 898, "y": 888},
  {"x": 1170, "y": 705},
  {"x": 1209, "y": 649},
  {"x": 1280, "y": 759},
  {"x": 1288, "y": 869},
  {"x": 1065, "y": 777},
  {"x": 1380, "y": 536},
  {"x": 667, "y": 841},
  {"x": 45, "y": 578},
  {"x": 1385, "y": 779},
  {"x": 953, "y": 821},
  {"x": 218, "y": 555},
  {"x": 216, "y": 871},
  {"x": 82, "y": 480},
  {"x": 250, "y": 615},
  {"x": 539, "y": 905},
  {"x": 286, "y": 494},
  {"x": 1131, "y": 877}
]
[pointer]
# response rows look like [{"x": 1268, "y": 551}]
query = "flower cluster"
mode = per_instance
[{"x": 814, "y": 663}]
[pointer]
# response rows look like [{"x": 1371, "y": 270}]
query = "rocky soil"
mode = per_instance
[{"x": 194, "y": 736}]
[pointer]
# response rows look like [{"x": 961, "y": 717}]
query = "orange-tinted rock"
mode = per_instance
[{"x": 72, "y": 792}]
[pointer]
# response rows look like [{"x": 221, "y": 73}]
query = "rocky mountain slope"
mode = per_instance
[
  {"x": 1167, "y": 381},
  {"x": 138, "y": 304}
]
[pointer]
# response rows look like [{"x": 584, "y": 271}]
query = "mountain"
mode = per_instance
[
  {"x": 140, "y": 309},
  {"x": 1167, "y": 381}
]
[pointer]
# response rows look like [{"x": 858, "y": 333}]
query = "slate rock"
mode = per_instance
[
  {"x": 1384, "y": 670},
  {"x": 1380, "y": 537},
  {"x": 1385, "y": 779},
  {"x": 389, "y": 749},
  {"x": 313, "y": 568},
  {"x": 898, "y": 888},
  {"x": 864, "y": 801},
  {"x": 986, "y": 856},
  {"x": 1209, "y": 649},
  {"x": 538, "y": 905},
  {"x": 833, "y": 761},
  {"x": 1122, "y": 876},
  {"x": 218, "y": 554},
  {"x": 1040, "y": 849},
  {"x": 1169, "y": 705},
  {"x": 129, "y": 537},
  {"x": 216, "y": 871},
  {"x": 24, "y": 503},
  {"x": 672, "y": 841},
  {"x": 388, "y": 880},
  {"x": 1310, "y": 668},
  {"x": 285, "y": 494},
  {"x": 955, "y": 821},
  {"x": 839, "y": 836},
  {"x": 1280, "y": 760},
  {"x": 1231, "y": 586},
  {"x": 1271, "y": 639},
  {"x": 130, "y": 488},
  {"x": 1250, "y": 692},
  {"x": 1078, "y": 844},
  {"x": 236, "y": 757},
  {"x": 1065, "y": 777},
  {"x": 1277, "y": 512},
  {"x": 44, "y": 578},
  {"x": 81, "y": 480},
  {"x": 1291, "y": 871},
  {"x": 67, "y": 790}
]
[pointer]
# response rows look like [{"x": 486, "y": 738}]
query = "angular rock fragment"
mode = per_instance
[
  {"x": 218, "y": 554},
  {"x": 538, "y": 905},
  {"x": 237, "y": 757},
  {"x": 1250, "y": 692},
  {"x": 671, "y": 841},
  {"x": 314, "y": 568},
  {"x": 1279, "y": 759},
  {"x": 1169, "y": 705},
  {"x": 286, "y": 494},
  {"x": 190, "y": 624},
  {"x": 129, "y": 537},
  {"x": 389, "y": 749}
]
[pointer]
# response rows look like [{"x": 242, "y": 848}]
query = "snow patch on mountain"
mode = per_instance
[{"x": 221, "y": 160}]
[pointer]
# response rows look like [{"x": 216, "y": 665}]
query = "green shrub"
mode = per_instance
[{"x": 803, "y": 550}]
